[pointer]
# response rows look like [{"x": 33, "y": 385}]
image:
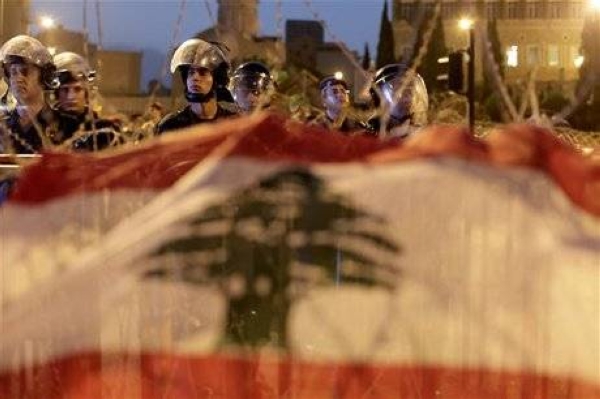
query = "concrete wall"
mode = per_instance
[
  {"x": 131, "y": 105},
  {"x": 59, "y": 39},
  {"x": 120, "y": 72}
]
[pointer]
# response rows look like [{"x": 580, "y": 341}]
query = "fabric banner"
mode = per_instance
[{"x": 264, "y": 259}]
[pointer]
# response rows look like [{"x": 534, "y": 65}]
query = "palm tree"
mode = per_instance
[{"x": 269, "y": 244}]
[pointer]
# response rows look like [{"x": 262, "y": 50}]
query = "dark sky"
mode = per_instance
[{"x": 149, "y": 25}]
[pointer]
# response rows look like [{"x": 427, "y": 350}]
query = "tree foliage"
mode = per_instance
[
  {"x": 385, "y": 46},
  {"x": 429, "y": 68},
  {"x": 366, "y": 59},
  {"x": 495, "y": 47},
  {"x": 587, "y": 116},
  {"x": 269, "y": 244}
]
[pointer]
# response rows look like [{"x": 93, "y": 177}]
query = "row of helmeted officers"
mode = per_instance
[{"x": 212, "y": 92}]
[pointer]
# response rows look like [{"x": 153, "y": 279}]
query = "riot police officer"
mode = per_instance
[
  {"x": 252, "y": 86},
  {"x": 32, "y": 125},
  {"x": 204, "y": 68},
  {"x": 77, "y": 86},
  {"x": 401, "y": 97},
  {"x": 336, "y": 100}
]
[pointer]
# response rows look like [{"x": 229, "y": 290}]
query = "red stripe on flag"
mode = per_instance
[
  {"x": 161, "y": 163},
  {"x": 270, "y": 138},
  {"x": 96, "y": 376}
]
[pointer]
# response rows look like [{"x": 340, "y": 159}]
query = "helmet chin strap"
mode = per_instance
[{"x": 199, "y": 97}]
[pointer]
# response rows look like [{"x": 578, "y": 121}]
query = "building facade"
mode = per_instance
[
  {"x": 303, "y": 39},
  {"x": 543, "y": 35},
  {"x": 14, "y": 18},
  {"x": 238, "y": 27},
  {"x": 119, "y": 72},
  {"x": 239, "y": 16}
]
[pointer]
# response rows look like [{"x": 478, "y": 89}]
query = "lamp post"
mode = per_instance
[{"x": 467, "y": 24}]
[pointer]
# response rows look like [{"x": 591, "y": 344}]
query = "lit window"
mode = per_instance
[
  {"x": 553, "y": 55},
  {"x": 533, "y": 55},
  {"x": 512, "y": 56}
]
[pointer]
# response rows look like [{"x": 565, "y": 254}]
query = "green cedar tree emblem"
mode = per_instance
[{"x": 268, "y": 244}]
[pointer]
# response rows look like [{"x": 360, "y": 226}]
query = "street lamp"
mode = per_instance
[
  {"x": 47, "y": 22},
  {"x": 465, "y": 23},
  {"x": 468, "y": 25}
]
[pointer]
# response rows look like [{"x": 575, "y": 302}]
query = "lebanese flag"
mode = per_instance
[{"x": 259, "y": 258}]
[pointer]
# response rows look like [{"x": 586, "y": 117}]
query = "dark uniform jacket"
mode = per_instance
[
  {"x": 51, "y": 124},
  {"x": 58, "y": 128},
  {"x": 349, "y": 124},
  {"x": 186, "y": 118},
  {"x": 107, "y": 133},
  {"x": 402, "y": 126}
]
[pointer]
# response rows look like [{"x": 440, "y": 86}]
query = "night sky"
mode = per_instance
[{"x": 149, "y": 25}]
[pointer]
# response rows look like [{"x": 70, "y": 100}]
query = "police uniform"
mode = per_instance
[
  {"x": 104, "y": 134},
  {"x": 186, "y": 118},
  {"x": 91, "y": 133},
  {"x": 54, "y": 129},
  {"x": 197, "y": 53},
  {"x": 348, "y": 124},
  {"x": 406, "y": 99}
]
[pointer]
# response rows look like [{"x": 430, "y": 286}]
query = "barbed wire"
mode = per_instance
[
  {"x": 335, "y": 39},
  {"x": 581, "y": 95},
  {"x": 212, "y": 19},
  {"x": 496, "y": 77},
  {"x": 279, "y": 29},
  {"x": 164, "y": 68},
  {"x": 410, "y": 76}
]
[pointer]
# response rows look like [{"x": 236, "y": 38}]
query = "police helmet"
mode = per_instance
[
  {"x": 254, "y": 76},
  {"x": 24, "y": 49},
  {"x": 201, "y": 54},
  {"x": 73, "y": 67},
  {"x": 332, "y": 81},
  {"x": 403, "y": 91}
]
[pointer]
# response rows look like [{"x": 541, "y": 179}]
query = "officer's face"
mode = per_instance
[
  {"x": 199, "y": 80},
  {"x": 24, "y": 82},
  {"x": 246, "y": 98},
  {"x": 251, "y": 94},
  {"x": 335, "y": 97},
  {"x": 72, "y": 97}
]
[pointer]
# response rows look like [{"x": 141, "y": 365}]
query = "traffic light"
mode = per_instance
[{"x": 454, "y": 66}]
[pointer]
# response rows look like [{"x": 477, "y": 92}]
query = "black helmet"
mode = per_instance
[
  {"x": 24, "y": 49},
  {"x": 202, "y": 54},
  {"x": 71, "y": 67},
  {"x": 252, "y": 77},
  {"x": 255, "y": 73},
  {"x": 412, "y": 100},
  {"x": 332, "y": 81}
]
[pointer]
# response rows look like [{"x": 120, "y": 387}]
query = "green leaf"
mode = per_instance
[
  {"x": 375, "y": 239},
  {"x": 190, "y": 244}
]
